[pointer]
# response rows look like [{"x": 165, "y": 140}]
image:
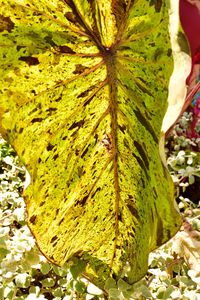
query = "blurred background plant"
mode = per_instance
[{"x": 174, "y": 269}]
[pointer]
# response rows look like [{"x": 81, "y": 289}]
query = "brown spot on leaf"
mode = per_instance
[
  {"x": 20, "y": 47},
  {"x": 80, "y": 171},
  {"x": 6, "y": 24},
  {"x": 130, "y": 197},
  {"x": 133, "y": 211},
  {"x": 51, "y": 110},
  {"x": 70, "y": 17},
  {"x": 83, "y": 201},
  {"x": 169, "y": 52},
  {"x": 21, "y": 130},
  {"x": 61, "y": 221},
  {"x": 55, "y": 156},
  {"x": 32, "y": 219},
  {"x": 35, "y": 120},
  {"x": 79, "y": 69},
  {"x": 122, "y": 128},
  {"x": 76, "y": 124},
  {"x": 85, "y": 151},
  {"x": 157, "y": 4},
  {"x": 50, "y": 147},
  {"x": 66, "y": 49},
  {"x": 54, "y": 238},
  {"x": 120, "y": 216},
  {"x": 97, "y": 190},
  {"x": 30, "y": 60},
  {"x": 83, "y": 94}
]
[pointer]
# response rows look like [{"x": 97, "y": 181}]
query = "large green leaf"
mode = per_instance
[{"x": 84, "y": 88}]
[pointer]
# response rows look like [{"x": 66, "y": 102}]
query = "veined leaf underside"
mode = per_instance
[{"x": 83, "y": 94}]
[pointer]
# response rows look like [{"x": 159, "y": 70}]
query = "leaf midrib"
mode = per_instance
[
  {"x": 109, "y": 57},
  {"x": 110, "y": 61}
]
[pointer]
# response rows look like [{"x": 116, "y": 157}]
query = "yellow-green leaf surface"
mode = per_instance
[{"x": 83, "y": 92}]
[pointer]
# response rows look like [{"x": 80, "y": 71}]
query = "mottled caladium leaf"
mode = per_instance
[{"x": 83, "y": 91}]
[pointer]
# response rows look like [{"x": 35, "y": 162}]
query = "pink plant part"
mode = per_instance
[
  {"x": 190, "y": 20},
  {"x": 192, "y": 130}
]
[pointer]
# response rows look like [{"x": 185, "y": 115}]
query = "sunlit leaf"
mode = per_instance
[
  {"x": 45, "y": 268},
  {"x": 177, "y": 103},
  {"x": 83, "y": 94},
  {"x": 22, "y": 280},
  {"x": 187, "y": 245}
]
